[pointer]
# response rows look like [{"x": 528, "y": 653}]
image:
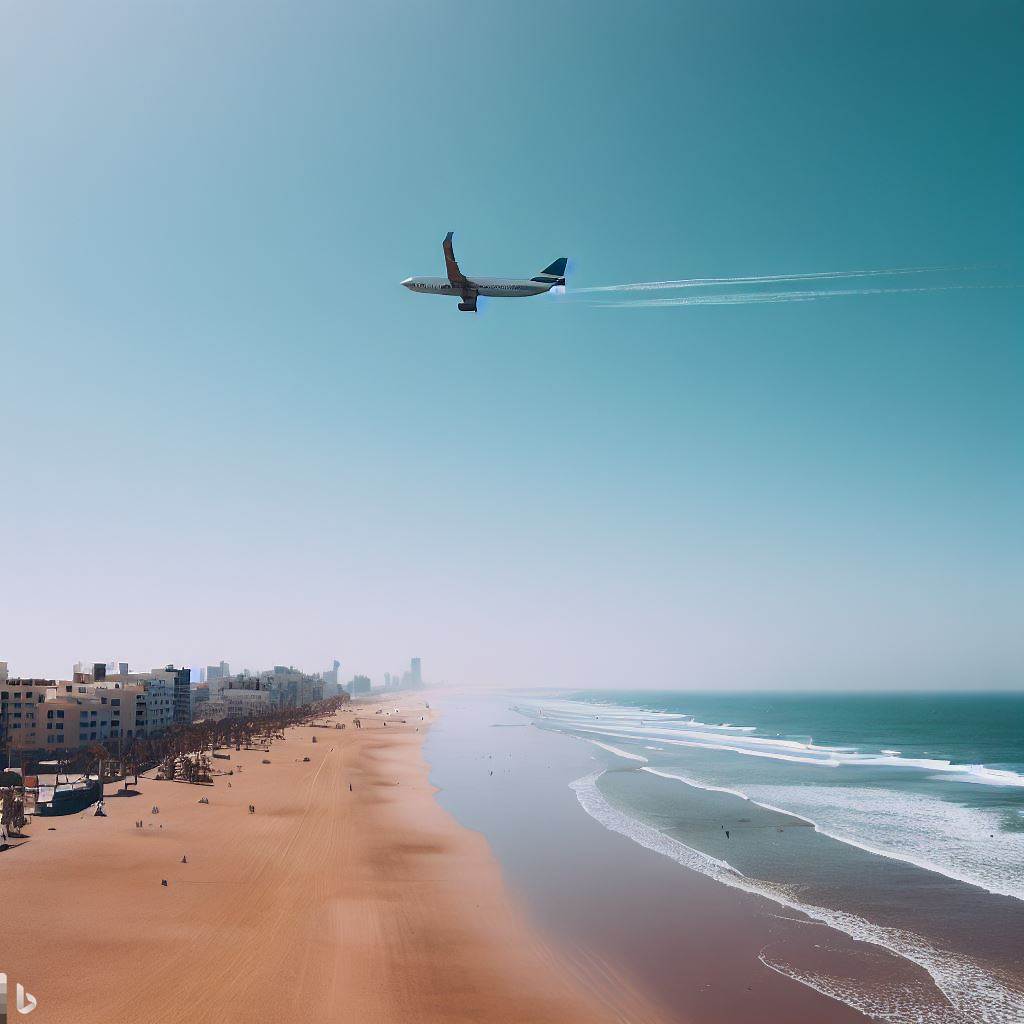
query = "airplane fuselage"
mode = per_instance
[
  {"x": 492, "y": 286},
  {"x": 469, "y": 289}
]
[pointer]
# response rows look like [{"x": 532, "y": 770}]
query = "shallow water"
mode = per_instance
[
  {"x": 625, "y": 919},
  {"x": 896, "y": 820}
]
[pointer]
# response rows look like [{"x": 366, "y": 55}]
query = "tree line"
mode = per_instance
[{"x": 182, "y": 751}]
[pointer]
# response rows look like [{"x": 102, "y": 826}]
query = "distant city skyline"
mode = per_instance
[{"x": 206, "y": 674}]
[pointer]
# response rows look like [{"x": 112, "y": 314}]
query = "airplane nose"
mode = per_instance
[{"x": 407, "y": 283}]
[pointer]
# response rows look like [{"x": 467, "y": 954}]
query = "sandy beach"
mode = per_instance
[{"x": 325, "y": 904}]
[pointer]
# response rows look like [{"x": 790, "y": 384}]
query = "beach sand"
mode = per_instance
[{"x": 324, "y": 905}]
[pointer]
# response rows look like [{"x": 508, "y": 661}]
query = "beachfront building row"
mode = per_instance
[
  {"x": 169, "y": 689},
  {"x": 42, "y": 714},
  {"x": 106, "y": 703},
  {"x": 93, "y": 707},
  {"x": 249, "y": 693}
]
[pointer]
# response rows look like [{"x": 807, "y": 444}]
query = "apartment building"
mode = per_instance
[
  {"x": 59, "y": 716},
  {"x": 20, "y": 715},
  {"x": 246, "y": 703}
]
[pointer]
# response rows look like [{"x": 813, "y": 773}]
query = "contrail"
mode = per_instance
[
  {"x": 703, "y": 282},
  {"x": 750, "y": 298}
]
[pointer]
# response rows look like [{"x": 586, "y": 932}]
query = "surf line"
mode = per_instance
[{"x": 969, "y": 989}]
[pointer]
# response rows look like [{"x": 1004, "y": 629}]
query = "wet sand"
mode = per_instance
[
  {"x": 627, "y": 916},
  {"x": 324, "y": 905}
]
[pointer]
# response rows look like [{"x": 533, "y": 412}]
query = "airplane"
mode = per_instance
[{"x": 456, "y": 283}]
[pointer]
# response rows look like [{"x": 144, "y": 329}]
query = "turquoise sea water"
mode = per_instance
[
  {"x": 983, "y": 729},
  {"x": 898, "y": 819}
]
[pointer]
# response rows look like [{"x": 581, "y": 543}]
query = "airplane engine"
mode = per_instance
[{"x": 468, "y": 307}]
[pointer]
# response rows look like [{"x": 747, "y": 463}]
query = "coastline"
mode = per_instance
[
  {"x": 626, "y": 917},
  {"x": 373, "y": 904},
  {"x": 887, "y": 938}
]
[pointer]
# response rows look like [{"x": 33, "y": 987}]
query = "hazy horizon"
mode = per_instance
[{"x": 228, "y": 433}]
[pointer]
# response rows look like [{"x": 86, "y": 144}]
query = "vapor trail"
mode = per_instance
[
  {"x": 751, "y": 298},
  {"x": 703, "y": 282}
]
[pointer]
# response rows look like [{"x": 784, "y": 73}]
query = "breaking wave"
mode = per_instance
[
  {"x": 907, "y": 823},
  {"x": 972, "y": 995}
]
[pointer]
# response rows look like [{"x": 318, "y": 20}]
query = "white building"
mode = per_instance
[
  {"x": 245, "y": 703},
  {"x": 158, "y": 697},
  {"x": 292, "y": 688}
]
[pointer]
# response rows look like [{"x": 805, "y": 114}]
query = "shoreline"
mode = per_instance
[
  {"x": 613, "y": 856},
  {"x": 629, "y": 917},
  {"x": 373, "y": 903}
]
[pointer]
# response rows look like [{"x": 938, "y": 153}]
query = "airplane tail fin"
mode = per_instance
[{"x": 553, "y": 274}]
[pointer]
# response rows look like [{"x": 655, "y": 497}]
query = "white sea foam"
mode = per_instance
[
  {"x": 963, "y": 843},
  {"x": 968, "y": 844},
  {"x": 776, "y": 750},
  {"x": 683, "y": 730},
  {"x": 617, "y": 751},
  {"x": 892, "y": 1002},
  {"x": 693, "y": 782},
  {"x": 974, "y": 995}
]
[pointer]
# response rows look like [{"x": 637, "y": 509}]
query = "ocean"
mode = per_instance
[{"x": 896, "y": 820}]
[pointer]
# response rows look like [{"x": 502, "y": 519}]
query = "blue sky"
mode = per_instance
[{"x": 228, "y": 433}]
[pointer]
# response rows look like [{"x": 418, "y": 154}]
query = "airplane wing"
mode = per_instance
[
  {"x": 467, "y": 289},
  {"x": 455, "y": 276}
]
